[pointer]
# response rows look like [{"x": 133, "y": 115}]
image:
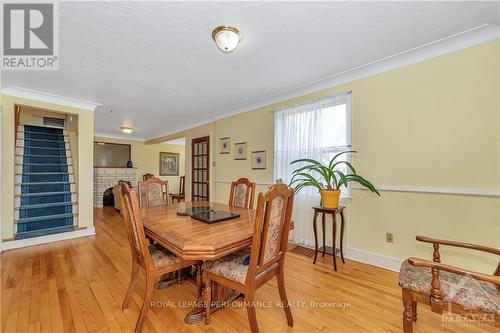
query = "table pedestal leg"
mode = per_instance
[{"x": 220, "y": 296}]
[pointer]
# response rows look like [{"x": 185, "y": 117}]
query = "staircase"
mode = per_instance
[{"x": 45, "y": 197}]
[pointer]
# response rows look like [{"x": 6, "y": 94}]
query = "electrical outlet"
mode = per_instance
[{"x": 389, "y": 237}]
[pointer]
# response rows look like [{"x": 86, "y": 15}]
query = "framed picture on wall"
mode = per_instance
[
  {"x": 169, "y": 164},
  {"x": 224, "y": 145},
  {"x": 259, "y": 160},
  {"x": 240, "y": 151}
]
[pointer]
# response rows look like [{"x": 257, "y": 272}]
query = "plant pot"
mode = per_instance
[{"x": 330, "y": 198}]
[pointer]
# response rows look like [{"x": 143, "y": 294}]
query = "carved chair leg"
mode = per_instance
[
  {"x": 150, "y": 286},
  {"x": 252, "y": 317},
  {"x": 408, "y": 311},
  {"x": 284, "y": 299},
  {"x": 414, "y": 310},
  {"x": 208, "y": 299},
  {"x": 131, "y": 287}
]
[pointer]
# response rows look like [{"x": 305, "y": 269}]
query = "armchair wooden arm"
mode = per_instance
[
  {"x": 452, "y": 269},
  {"x": 458, "y": 244},
  {"x": 411, "y": 296}
]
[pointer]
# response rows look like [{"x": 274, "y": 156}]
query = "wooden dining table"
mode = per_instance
[{"x": 191, "y": 239}]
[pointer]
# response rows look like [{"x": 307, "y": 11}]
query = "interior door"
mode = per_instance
[{"x": 200, "y": 166}]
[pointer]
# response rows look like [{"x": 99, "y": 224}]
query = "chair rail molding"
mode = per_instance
[
  {"x": 474, "y": 192},
  {"x": 261, "y": 183}
]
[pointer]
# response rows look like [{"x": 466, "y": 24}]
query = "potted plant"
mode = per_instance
[{"x": 327, "y": 178}]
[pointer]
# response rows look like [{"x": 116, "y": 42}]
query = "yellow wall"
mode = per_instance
[
  {"x": 146, "y": 159},
  {"x": 85, "y": 159},
  {"x": 431, "y": 124},
  {"x": 256, "y": 128}
]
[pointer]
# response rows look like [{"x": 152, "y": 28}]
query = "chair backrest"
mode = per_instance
[
  {"x": 155, "y": 192},
  {"x": 272, "y": 225},
  {"x": 182, "y": 183},
  {"x": 147, "y": 176},
  {"x": 242, "y": 193},
  {"x": 133, "y": 224}
]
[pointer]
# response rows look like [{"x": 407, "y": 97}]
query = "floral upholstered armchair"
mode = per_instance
[{"x": 445, "y": 287}]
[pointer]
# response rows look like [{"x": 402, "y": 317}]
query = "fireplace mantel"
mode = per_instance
[{"x": 105, "y": 178}]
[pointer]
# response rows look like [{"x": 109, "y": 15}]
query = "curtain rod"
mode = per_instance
[{"x": 349, "y": 92}]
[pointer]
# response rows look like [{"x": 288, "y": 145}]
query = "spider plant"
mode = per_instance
[{"x": 327, "y": 177}]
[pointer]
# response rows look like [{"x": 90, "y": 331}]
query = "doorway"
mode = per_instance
[{"x": 200, "y": 169}]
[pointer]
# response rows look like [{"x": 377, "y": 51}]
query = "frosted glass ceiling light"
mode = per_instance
[{"x": 226, "y": 38}]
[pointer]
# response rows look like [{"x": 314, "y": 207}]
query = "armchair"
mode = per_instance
[{"x": 433, "y": 283}]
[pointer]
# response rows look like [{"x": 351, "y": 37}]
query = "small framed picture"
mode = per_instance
[
  {"x": 259, "y": 160},
  {"x": 240, "y": 151},
  {"x": 169, "y": 164},
  {"x": 224, "y": 145}
]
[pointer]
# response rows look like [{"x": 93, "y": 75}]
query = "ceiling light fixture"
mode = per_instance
[
  {"x": 125, "y": 129},
  {"x": 226, "y": 38}
]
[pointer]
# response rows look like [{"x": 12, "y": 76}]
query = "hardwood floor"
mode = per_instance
[{"x": 78, "y": 285}]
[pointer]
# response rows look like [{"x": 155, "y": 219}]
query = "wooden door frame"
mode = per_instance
[{"x": 193, "y": 141}]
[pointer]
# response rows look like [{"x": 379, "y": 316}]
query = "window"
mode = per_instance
[{"x": 316, "y": 130}]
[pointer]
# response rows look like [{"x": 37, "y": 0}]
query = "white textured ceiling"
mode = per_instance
[{"x": 155, "y": 65}]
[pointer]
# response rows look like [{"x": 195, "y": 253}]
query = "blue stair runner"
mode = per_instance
[{"x": 45, "y": 200}]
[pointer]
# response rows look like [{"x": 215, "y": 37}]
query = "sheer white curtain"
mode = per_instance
[{"x": 314, "y": 130}]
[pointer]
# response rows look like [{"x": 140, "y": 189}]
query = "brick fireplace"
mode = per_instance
[{"x": 105, "y": 178}]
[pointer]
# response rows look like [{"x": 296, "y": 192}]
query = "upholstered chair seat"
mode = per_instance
[
  {"x": 230, "y": 266},
  {"x": 455, "y": 288},
  {"x": 161, "y": 256}
]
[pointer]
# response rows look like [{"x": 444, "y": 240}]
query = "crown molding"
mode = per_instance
[
  {"x": 49, "y": 98},
  {"x": 118, "y": 136},
  {"x": 462, "y": 40}
]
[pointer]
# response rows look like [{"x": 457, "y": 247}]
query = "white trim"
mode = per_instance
[
  {"x": 262, "y": 183},
  {"x": 118, "y": 136},
  {"x": 49, "y": 98},
  {"x": 15, "y": 244},
  {"x": 474, "y": 36},
  {"x": 369, "y": 258},
  {"x": 480, "y": 192},
  {"x": 374, "y": 259}
]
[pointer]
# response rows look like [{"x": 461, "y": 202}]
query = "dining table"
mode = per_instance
[{"x": 191, "y": 239}]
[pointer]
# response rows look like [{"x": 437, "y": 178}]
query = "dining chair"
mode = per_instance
[
  {"x": 180, "y": 195},
  {"x": 242, "y": 193},
  {"x": 156, "y": 260},
  {"x": 154, "y": 191},
  {"x": 147, "y": 176},
  {"x": 267, "y": 255}
]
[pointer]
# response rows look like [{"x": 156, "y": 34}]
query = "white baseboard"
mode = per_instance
[
  {"x": 374, "y": 259},
  {"x": 370, "y": 258},
  {"x": 15, "y": 244}
]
